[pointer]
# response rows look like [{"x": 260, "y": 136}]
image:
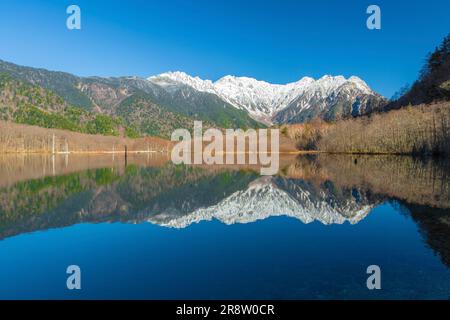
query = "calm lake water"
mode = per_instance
[{"x": 147, "y": 229}]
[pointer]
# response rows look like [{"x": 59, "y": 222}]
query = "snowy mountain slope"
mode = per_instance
[
  {"x": 331, "y": 99},
  {"x": 264, "y": 101},
  {"x": 267, "y": 197}
]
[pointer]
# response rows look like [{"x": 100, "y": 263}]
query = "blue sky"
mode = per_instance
[{"x": 276, "y": 41}]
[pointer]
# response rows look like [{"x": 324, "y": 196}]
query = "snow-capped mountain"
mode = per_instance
[
  {"x": 268, "y": 197},
  {"x": 275, "y": 103}
]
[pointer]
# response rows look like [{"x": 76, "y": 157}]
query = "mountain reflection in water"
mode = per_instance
[{"x": 42, "y": 192}]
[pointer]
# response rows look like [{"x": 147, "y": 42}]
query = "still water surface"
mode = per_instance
[{"x": 148, "y": 229}]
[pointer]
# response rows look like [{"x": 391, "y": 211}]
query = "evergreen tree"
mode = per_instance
[{"x": 434, "y": 79}]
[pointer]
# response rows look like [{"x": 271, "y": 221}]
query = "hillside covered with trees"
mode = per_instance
[
  {"x": 24, "y": 103},
  {"x": 433, "y": 83}
]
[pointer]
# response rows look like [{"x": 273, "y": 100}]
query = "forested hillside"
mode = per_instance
[
  {"x": 24, "y": 103},
  {"x": 433, "y": 83},
  {"x": 151, "y": 119}
]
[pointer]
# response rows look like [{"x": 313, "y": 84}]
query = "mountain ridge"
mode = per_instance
[
  {"x": 264, "y": 100},
  {"x": 107, "y": 95},
  {"x": 229, "y": 102}
]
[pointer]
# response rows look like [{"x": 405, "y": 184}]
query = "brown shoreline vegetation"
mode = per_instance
[
  {"x": 19, "y": 138},
  {"x": 418, "y": 130}
]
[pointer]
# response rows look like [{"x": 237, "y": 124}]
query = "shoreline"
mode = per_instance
[{"x": 299, "y": 152}]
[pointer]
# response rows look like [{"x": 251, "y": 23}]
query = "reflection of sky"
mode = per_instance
[{"x": 274, "y": 258}]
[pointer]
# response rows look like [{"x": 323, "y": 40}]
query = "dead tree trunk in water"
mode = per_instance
[{"x": 126, "y": 155}]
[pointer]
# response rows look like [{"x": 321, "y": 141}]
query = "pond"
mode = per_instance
[{"x": 147, "y": 229}]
